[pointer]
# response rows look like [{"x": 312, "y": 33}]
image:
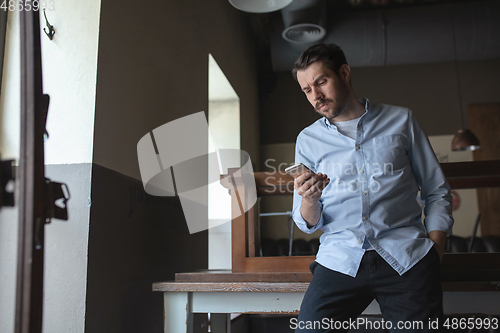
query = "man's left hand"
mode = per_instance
[{"x": 439, "y": 239}]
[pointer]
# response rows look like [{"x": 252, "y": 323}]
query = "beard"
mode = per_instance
[{"x": 339, "y": 105}]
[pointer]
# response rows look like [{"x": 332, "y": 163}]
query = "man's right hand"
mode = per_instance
[{"x": 310, "y": 186}]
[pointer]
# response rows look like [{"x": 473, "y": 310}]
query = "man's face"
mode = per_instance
[{"x": 324, "y": 89}]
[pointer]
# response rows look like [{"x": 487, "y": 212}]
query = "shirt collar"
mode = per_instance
[{"x": 364, "y": 101}]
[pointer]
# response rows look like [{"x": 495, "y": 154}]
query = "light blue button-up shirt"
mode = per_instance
[{"x": 372, "y": 194}]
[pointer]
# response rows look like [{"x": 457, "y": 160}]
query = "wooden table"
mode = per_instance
[{"x": 223, "y": 293}]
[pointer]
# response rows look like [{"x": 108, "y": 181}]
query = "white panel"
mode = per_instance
[
  {"x": 258, "y": 302},
  {"x": 242, "y": 302}
]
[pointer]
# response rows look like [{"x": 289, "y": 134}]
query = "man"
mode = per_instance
[{"x": 369, "y": 162}]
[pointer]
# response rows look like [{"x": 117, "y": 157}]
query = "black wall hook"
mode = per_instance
[{"x": 50, "y": 33}]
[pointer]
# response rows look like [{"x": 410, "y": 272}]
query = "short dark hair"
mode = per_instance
[{"x": 331, "y": 55}]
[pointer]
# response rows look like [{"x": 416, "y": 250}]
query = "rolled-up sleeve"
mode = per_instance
[{"x": 435, "y": 190}]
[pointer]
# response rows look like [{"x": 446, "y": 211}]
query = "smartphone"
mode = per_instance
[{"x": 298, "y": 169}]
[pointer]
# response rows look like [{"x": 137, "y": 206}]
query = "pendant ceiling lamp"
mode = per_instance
[
  {"x": 259, "y": 6},
  {"x": 464, "y": 139}
]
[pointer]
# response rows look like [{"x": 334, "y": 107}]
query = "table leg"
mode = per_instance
[
  {"x": 220, "y": 322},
  {"x": 178, "y": 312}
]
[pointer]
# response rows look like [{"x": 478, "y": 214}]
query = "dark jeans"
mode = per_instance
[{"x": 409, "y": 303}]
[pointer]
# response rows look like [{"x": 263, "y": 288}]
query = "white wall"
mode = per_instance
[
  {"x": 224, "y": 126},
  {"x": 69, "y": 77},
  {"x": 10, "y": 99},
  {"x": 9, "y": 149}
]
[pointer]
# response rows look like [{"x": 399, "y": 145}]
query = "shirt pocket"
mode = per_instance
[{"x": 390, "y": 152}]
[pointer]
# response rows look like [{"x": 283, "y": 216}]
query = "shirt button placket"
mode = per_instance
[{"x": 363, "y": 180}]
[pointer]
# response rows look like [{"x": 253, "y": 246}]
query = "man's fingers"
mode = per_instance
[
  {"x": 320, "y": 185},
  {"x": 313, "y": 190},
  {"x": 323, "y": 184},
  {"x": 300, "y": 180},
  {"x": 310, "y": 185}
]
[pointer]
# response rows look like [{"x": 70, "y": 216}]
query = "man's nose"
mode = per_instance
[{"x": 317, "y": 94}]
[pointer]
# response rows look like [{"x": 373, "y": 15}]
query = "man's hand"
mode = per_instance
[
  {"x": 439, "y": 239},
  {"x": 310, "y": 187}
]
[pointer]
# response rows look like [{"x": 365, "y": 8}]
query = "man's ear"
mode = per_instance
[{"x": 345, "y": 73}]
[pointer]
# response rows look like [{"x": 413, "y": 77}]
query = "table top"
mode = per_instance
[
  {"x": 294, "y": 287},
  {"x": 231, "y": 286}
]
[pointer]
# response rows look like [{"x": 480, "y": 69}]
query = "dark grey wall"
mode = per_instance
[
  {"x": 430, "y": 90},
  {"x": 135, "y": 239},
  {"x": 153, "y": 69}
]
